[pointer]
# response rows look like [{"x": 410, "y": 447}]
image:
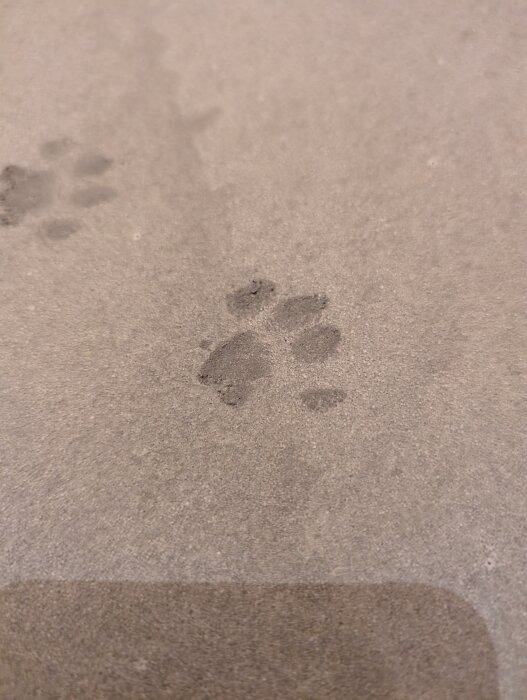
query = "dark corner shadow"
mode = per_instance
[{"x": 229, "y": 641}]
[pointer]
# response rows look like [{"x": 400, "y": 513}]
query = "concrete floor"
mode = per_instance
[{"x": 263, "y": 334}]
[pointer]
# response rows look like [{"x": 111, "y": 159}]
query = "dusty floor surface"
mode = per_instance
[{"x": 263, "y": 342}]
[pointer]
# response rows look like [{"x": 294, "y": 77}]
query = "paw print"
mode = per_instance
[
  {"x": 235, "y": 366},
  {"x": 73, "y": 183}
]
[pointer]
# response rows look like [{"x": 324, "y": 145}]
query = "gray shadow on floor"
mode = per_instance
[{"x": 196, "y": 641}]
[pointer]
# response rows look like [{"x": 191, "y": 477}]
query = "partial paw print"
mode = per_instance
[
  {"x": 71, "y": 179},
  {"x": 234, "y": 367}
]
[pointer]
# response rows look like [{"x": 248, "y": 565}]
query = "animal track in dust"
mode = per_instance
[
  {"x": 322, "y": 399},
  {"x": 25, "y": 192},
  {"x": 92, "y": 164},
  {"x": 251, "y": 299},
  {"x": 61, "y": 228},
  {"x": 56, "y": 148},
  {"x": 296, "y": 312},
  {"x": 92, "y": 196},
  {"x": 234, "y": 366}
]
